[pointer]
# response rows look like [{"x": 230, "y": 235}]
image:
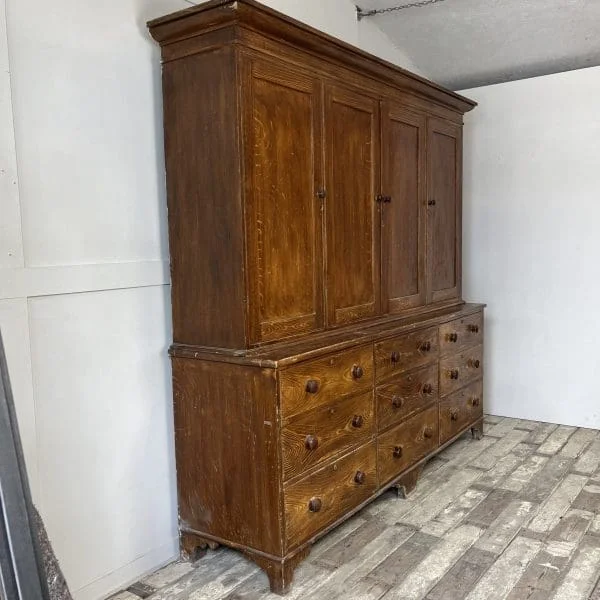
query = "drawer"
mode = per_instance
[
  {"x": 406, "y": 444},
  {"x": 313, "y": 437},
  {"x": 405, "y": 352},
  {"x": 460, "y": 410},
  {"x": 406, "y": 394},
  {"x": 313, "y": 383},
  {"x": 459, "y": 369},
  {"x": 323, "y": 497},
  {"x": 462, "y": 333}
]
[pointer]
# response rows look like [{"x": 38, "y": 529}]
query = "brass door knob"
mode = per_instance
[{"x": 311, "y": 442}]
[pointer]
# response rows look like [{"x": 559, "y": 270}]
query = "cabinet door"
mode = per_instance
[
  {"x": 403, "y": 136},
  {"x": 444, "y": 210},
  {"x": 283, "y": 150},
  {"x": 352, "y": 172}
]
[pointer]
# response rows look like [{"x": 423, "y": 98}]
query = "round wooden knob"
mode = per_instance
[
  {"x": 426, "y": 347},
  {"x": 453, "y": 374},
  {"x": 474, "y": 328},
  {"x": 397, "y": 451},
  {"x": 312, "y": 386},
  {"x": 315, "y": 505},
  {"x": 475, "y": 401},
  {"x": 357, "y": 372},
  {"x": 357, "y": 421},
  {"x": 428, "y": 432},
  {"x": 311, "y": 442},
  {"x": 360, "y": 477},
  {"x": 475, "y": 363},
  {"x": 431, "y": 203},
  {"x": 395, "y": 356},
  {"x": 452, "y": 337},
  {"x": 454, "y": 415},
  {"x": 428, "y": 388},
  {"x": 397, "y": 401}
]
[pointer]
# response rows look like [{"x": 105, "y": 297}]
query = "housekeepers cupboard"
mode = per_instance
[{"x": 322, "y": 351}]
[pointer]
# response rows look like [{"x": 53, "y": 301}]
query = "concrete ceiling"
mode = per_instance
[{"x": 470, "y": 43}]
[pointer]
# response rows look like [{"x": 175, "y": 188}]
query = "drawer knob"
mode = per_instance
[
  {"x": 475, "y": 402},
  {"x": 453, "y": 374},
  {"x": 357, "y": 421},
  {"x": 454, "y": 415},
  {"x": 315, "y": 505},
  {"x": 357, "y": 372},
  {"x": 311, "y": 442},
  {"x": 428, "y": 432},
  {"x": 397, "y": 401},
  {"x": 312, "y": 386},
  {"x": 426, "y": 347},
  {"x": 395, "y": 356},
  {"x": 360, "y": 477},
  {"x": 428, "y": 388},
  {"x": 397, "y": 451},
  {"x": 452, "y": 337},
  {"x": 475, "y": 363},
  {"x": 474, "y": 328}
]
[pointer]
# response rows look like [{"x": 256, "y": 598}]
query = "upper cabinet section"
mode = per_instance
[{"x": 310, "y": 185}]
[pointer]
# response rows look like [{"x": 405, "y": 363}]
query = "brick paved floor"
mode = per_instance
[{"x": 514, "y": 516}]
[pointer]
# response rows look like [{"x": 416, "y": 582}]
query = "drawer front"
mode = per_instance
[
  {"x": 462, "y": 333},
  {"x": 321, "y": 498},
  {"x": 311, "y": 384},
  {"x": 313, "y": 437},
  {"x": 460, "y": 410},
  {"x": 459, "y": 369},
  {"x": 405, "y": 352},
  {"x": 406, "y": 394},
  {"x": 404, "y": 445}
]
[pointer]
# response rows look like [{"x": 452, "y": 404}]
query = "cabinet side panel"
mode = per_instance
[
  {"x": 204, "y": 199},
  {"x": 227, "y": 452}
]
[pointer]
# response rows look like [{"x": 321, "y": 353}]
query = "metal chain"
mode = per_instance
[{"x": 382, "y": 11}]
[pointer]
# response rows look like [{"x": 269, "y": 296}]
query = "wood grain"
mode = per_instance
[
  {"x": 407, "y": 443},
  {"x": 337, "y": 427},
  {"x": 335, "y": 486},
  {"x": 461, "y": 409},
  {"x": 468, "y": 331},
  {"x": 334, "y": 378},
  {"x": 406, "y": 394},
  {"x": 457, "y": 370}
]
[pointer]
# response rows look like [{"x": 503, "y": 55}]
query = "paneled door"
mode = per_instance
[
  {"x": 351, "y": 213},
  {"x": 444, "y": 210},
  {"x": 403, "y": 202},
  {"x": 283, "y": 138}
]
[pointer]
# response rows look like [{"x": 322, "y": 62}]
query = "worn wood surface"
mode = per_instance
[
  {"x": 458, "y": 370},
  {"x": 461, "y": 409},
  {"x": 468, "y": 331}
]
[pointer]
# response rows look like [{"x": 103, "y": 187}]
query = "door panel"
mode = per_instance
[
  {"x": 352, "y": 217},
  {"x": 403, "y": 217},
  {"x": 444, "y": 211},
  {"x": 283, "y": 215}
]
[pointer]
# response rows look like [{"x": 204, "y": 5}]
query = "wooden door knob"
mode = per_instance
[
  {"x": 312, "y": 386},
  {"x": 475, "y": 363},
  {"x": 431, "y": 203},
  {"x": 453, "y": 374},
  {"x": 315, "y": 505},
  {"x": 425, "y": 347},
  {"x": 454, "y": 415},
  {"x": 474, "y": 328},
  {"x": 428, "y": 388},
  {"x": 360, "y": 477},
  {"x": 395, "y": 356},
  {"x": 452, "y": 337},
  {"x": 397, "y": 451},
  {"x": 357, "y": 421},
  {"x": 475, "y": 402},
  {"x": 357, "y": 372},
  {"x": 311, "y": 442},
  {"x": 397, "y": 401},
  {"x": 428, "y": 432}
]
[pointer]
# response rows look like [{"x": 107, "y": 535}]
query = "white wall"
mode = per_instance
[
  {"x": 84, "y": 297},
  {"x": 532, "y": 243}
]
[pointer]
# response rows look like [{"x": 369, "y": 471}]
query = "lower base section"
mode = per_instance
[{"x": 280, "y": 571}]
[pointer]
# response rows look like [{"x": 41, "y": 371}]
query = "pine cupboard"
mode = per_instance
[{"x": 322, "y": 352}]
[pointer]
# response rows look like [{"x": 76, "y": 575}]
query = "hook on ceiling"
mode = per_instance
[{"x": 361, "y": 14}]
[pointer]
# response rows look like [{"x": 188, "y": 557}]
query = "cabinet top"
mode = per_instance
[{"x": 249, "y": 15}]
